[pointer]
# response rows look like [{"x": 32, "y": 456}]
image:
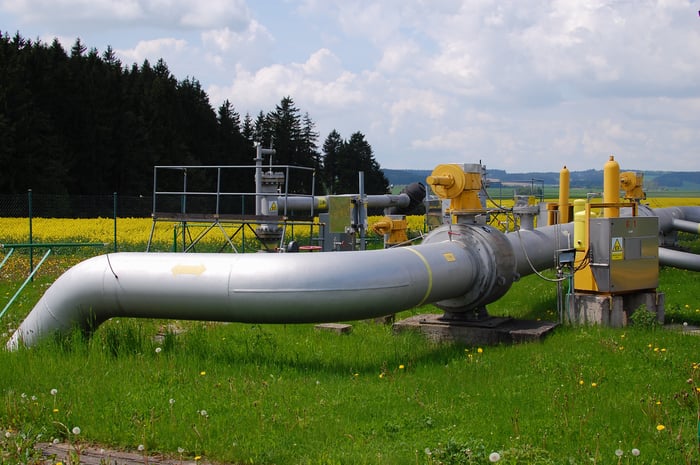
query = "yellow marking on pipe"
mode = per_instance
[
  {"x": 449, "y": 256},
  {"x": 188, "y": 269},
  {"x": 430, "y": 275}
]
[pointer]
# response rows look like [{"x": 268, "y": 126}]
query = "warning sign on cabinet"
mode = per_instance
[{"x": 617, "y": 251}]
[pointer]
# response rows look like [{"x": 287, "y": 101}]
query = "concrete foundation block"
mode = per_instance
[
  {"x": 613, "y": 310},
  {"x": 340, "y": 328},
  {"x": 489, "y": 331}
]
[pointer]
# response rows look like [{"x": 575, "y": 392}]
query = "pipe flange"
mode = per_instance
[{"x": 493, "y": 260}]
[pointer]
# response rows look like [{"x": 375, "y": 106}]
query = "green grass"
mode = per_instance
[{"x": 289, "y": 394}]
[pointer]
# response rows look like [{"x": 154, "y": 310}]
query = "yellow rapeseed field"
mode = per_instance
[{"x": 133, "y": 233}]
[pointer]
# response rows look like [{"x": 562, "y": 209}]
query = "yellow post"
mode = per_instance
[
  {"x": 611, "y": 187},
  {"x": 564, "y": 177}
]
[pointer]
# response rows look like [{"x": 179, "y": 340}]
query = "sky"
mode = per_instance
[{"x": 519, "y": 85}]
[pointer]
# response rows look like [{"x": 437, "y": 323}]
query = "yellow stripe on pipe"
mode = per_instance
[{"x": 430, "y": 275}]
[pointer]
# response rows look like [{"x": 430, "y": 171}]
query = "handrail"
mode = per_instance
[
  {"x": 24, "y": 284},
  {"x": 8, "y": 255}
]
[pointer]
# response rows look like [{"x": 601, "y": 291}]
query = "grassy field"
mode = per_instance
[{"x": 290, "y": 394}]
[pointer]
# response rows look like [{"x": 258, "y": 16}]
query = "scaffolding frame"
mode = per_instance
[{"x": 188, "y": 216}]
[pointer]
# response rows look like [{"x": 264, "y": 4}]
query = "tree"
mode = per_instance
[
  {"x": 332, "y": 151},
  {"x": 248, "y": 131},
  {"x": 356, "y": 155}
]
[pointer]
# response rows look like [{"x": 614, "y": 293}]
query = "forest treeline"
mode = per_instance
[{"x": 81, "y": 122}]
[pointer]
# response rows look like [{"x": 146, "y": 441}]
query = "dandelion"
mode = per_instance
[
  {"x": 428, "y": 451},
  {"x": 203, "y": 413},
  {"x": 141, "y": 448},
  {"x": 594, "y": 384},
  {"x": 171, "y": 401},
  {"x": 381, "y": 375},
  {"x": 55, "y": 410},
  {"x": 202, "y": 373},
  {"x": 580, "y": 382},
  {"x": 660, "y": 427},
  {"x": 635, "y": 452},
  {"x": 480, "y": 351},
  {"x": 619, "y": 452},
  {"x": 76, "y": 430},
  {"x": 401, "y": 367},
  {"x": 54, "y": 391},
  {"x": 180, "y": 450},
  {"x": 158, "y": 350},
  {"x": 494, "y": 457},
  {"x": 197, "y": 458}
]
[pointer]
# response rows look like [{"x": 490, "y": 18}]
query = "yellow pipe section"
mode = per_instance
[
  {"x": 564, "y": 178},
  {"x": 611, "y": 187}
]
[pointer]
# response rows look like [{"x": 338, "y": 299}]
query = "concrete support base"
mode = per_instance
[
  {"x": 613, "y": 310},
  {"x": 489, "y": 331}
]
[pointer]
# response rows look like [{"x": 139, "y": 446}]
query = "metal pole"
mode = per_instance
[
  {"x": 360, "y": 206},
  {"x": 184, "y": 208},
  {"x": 114, "y": 195},
  {"x": 31, "y": 249}
]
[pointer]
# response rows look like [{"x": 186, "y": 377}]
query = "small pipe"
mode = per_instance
[
  {"x": 686, "y": 226},
  {"x": 679, "y": 259}
]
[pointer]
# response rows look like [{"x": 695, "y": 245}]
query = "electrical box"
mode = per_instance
[{"x": 624, "y": 253}]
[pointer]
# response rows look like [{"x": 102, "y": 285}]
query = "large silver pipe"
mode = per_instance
[
  {"x": 457, "y": 267},
  {"x": 270, "y": 288},
  {"x": 535, "y": 250}
]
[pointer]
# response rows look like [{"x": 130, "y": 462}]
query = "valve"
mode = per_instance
[
  {"x": 394, "y": 227},
  {"x": 459, "y": 183},
  {"x": 632, "y": 183}
]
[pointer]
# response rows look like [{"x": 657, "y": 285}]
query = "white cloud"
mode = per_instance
[
  {"x": 160, "y": 13},
  {"x": 520, "y": 84},
  {"x": 149, "y": 49}
]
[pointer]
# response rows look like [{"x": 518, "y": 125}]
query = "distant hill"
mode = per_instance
[{"x": 653, "y": 180}]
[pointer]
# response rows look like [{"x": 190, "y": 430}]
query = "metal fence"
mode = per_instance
[{"x": 74, "y": 206}]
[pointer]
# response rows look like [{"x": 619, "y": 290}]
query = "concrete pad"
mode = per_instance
[{"x": 489, "y": 331}]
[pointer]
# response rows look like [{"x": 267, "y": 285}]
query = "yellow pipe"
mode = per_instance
[
  {"x": 611, "y": 187},
  {"x": 564, "y": 177}
]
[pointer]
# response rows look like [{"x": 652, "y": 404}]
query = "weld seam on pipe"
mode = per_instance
[{"x": 430, "y": 275}]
